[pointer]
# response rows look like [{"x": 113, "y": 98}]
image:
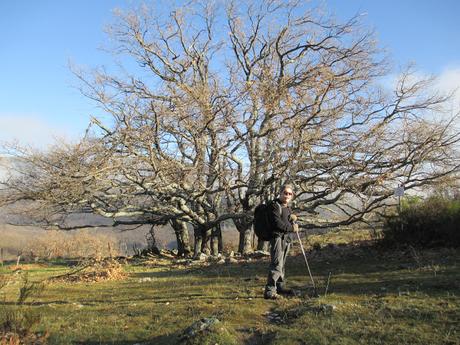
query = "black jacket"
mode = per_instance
[{"x": 280, "y": 221}]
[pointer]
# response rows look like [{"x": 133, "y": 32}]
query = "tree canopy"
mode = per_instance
[{"x": 226, "y": 104}]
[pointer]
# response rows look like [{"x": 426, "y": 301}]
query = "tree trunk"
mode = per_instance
[
  {"x": 206, "y": 243},
  {"x": 198, "y": 234},
  {"x": 182, "y": 237},
  {"x": 216, "y": 240},
  {"x": 263, "y": 245},
  {"x": 152, "y": 246},
  {"x": 245, "y": 232},
  {"x": 221, "y": 241},
  {"x": 185, "y": 240},
  {"x": 245, "y": 243}
]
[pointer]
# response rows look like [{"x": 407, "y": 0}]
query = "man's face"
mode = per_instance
[{"x": 286, "y": 195}]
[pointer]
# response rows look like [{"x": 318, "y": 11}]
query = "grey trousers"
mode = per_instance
[{"x": 278, "y": 252}]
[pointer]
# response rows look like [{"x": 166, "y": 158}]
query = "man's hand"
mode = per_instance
[
  {"x": 292, "y": 218},
  {"x": 295, "y": 227}
]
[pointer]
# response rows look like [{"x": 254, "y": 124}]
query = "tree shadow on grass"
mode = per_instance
[
  {"x": 170, "y": 339},
  {"x": 255, "y": 338},
  {"x": 46, "y": 263},
  {"x": 360, "y": 269},
  {"x": 242, "y": 269},
  {"x": 34, "y": 304},
  {"x": 400, "y": 285},
  {"x": 350, "y": 259},
  {"x": 260, "y": 338}
]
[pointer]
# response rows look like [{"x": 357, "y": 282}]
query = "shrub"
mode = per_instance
[
  {"x": 425, "y": 223},
  {"x": 17, "y": 321}
]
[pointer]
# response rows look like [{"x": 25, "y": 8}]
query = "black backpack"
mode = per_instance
[{"x": 262, "y": 225}]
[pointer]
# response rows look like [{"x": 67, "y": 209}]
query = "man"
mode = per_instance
[{"x": 279, "y": 216}]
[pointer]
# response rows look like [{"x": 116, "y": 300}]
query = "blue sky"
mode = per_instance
[{"x": 38, "y": 98}]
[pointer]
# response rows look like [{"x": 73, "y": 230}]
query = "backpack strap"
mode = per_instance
[{"x": 279, "y": 207}]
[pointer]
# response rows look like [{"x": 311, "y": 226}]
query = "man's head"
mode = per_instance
[{"x": 286, "y": 194}]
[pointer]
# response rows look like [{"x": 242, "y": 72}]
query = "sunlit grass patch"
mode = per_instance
[
  {"x": 339, "y": 237},
  {"x": 374, "y": 297}
]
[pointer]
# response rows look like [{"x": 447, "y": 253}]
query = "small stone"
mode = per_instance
[
  {"x": 200, "y": 326},
  {"x": 231, "y": 260},
  {"x": 327, "y": 308},
  {"x": 260, "y": 254},
  {"x": 202, "y": 257}
]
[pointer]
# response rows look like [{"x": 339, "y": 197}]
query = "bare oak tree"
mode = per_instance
[{"x": 224, "y": 105}]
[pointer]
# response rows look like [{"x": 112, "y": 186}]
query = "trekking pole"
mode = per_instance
[{"x": 306, "y": 262}]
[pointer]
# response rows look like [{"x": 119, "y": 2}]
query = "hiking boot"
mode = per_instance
[
  {"x": 285, "y": 291},
  {"x": 272, "y": 295}
]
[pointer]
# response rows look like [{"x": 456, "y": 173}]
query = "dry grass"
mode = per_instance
[
  {"x": 75, "y": 244},
  {"x": 337, "y": 238},
  {"x": 13, "y": 338},
  {"x": 32, "y": 244},
  {"x": 375, "y": 297},
  {"x": 14, "y": 239}
]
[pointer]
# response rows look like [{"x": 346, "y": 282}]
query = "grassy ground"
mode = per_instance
[{"x": 374, "y": 297}]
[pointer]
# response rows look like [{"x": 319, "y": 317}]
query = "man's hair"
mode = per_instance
[{"x": 286, "y": 186}]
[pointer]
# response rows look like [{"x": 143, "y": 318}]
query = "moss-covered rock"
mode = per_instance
[{"x": 206, "y": 331}]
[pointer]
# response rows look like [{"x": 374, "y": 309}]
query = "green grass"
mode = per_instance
[{"x": 378, "y": 298}]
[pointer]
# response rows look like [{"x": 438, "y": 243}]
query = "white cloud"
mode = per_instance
[
  {"x": 445, "y": 83},
  {"x": 30, "y": 130},
  {"x": 448, "y": 81}
]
